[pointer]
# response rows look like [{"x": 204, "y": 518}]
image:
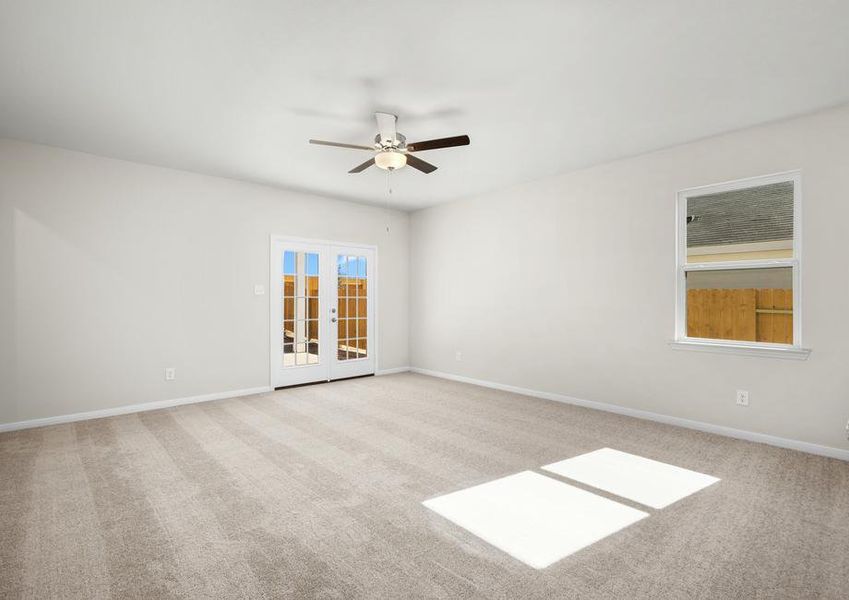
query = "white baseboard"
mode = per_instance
[
  {"x": 131, "y": 408},
  {"x": 741, "y": 434},
  {"x": 134, "y": 408},
  {"x": 392, "y": 371}
]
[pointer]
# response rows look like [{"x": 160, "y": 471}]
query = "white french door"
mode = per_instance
[{"x": 322, "y": 307}]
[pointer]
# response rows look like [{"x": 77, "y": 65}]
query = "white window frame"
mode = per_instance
[{"x": 681, "y": 340}]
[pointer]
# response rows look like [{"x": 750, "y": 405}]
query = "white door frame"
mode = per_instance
[{"x": 374, "y": 346}]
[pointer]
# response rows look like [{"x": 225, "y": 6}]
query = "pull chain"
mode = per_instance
[{"x": 388, "y": 197}]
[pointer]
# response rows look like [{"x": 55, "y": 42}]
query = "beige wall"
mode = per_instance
[
  {"x": 593, "y": 254},
  {"x": 111, "y": 271}
]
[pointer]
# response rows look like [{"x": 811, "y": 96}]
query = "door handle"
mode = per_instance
[{"x": 333, "y": 320}]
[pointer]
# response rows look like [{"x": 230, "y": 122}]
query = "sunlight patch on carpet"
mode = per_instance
[
  {"x": 648, "y": 482},
  {"x": 533, "y": 518}
]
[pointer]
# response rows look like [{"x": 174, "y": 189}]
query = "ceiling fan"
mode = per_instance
[{"x": 391, "y": 150}]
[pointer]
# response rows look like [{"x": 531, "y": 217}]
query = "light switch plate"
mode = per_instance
[{"x": 259, "y": 290}]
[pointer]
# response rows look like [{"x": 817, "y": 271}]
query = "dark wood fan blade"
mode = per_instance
[
  {"x": 417, "y": 163},
  {"x": 362, "y": 167},
  {"x": 341, "y": 145},
  {"x": 458, "y": 140}
]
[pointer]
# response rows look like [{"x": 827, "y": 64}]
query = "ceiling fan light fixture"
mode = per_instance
[{"x": 390, "y": 160}]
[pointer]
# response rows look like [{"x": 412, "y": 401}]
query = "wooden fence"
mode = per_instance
[{"x": 757, "y": 315}]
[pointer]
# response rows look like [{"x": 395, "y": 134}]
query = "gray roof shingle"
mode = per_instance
[{"x": 757, "y": 214}]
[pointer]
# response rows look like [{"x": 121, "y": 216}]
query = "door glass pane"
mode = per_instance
[
  {"x": 288, "y": 308},
  {"x": 754, "y": 305},
  {"x": 301, "y": 305},
  {"x": 357, "y": 348},
  {"x": 311, "y": 264},
  {"x": 312, "y": 286},
  {"x": 352, "y": 267},
  {"x": 352, "y": 285}
]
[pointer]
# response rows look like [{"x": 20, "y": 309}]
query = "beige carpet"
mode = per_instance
[{"x": 315, "y": 492}]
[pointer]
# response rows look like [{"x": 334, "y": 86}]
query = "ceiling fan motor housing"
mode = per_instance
[
  {"x": 399, "y": 143},
  {"x": 391, "y": 154}
]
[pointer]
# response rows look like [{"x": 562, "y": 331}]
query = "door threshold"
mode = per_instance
[{"x": 297, "y": 385}]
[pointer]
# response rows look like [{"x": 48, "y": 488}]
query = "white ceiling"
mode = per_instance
[{"x": 235, "y": 88}]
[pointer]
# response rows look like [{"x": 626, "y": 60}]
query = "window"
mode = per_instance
[{"x": 738, "y": 267}]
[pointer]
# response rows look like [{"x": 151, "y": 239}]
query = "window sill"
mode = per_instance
[{"x": 761, "y": 350}]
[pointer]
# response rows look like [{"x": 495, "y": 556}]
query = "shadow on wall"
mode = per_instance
[{"x": 8, "y": 359}]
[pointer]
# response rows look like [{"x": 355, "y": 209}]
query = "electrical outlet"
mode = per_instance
[
  {"x": 170, "y": 373},
  {"x": 458, "y": 356},
  {"x": 742, "y": 397}
]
